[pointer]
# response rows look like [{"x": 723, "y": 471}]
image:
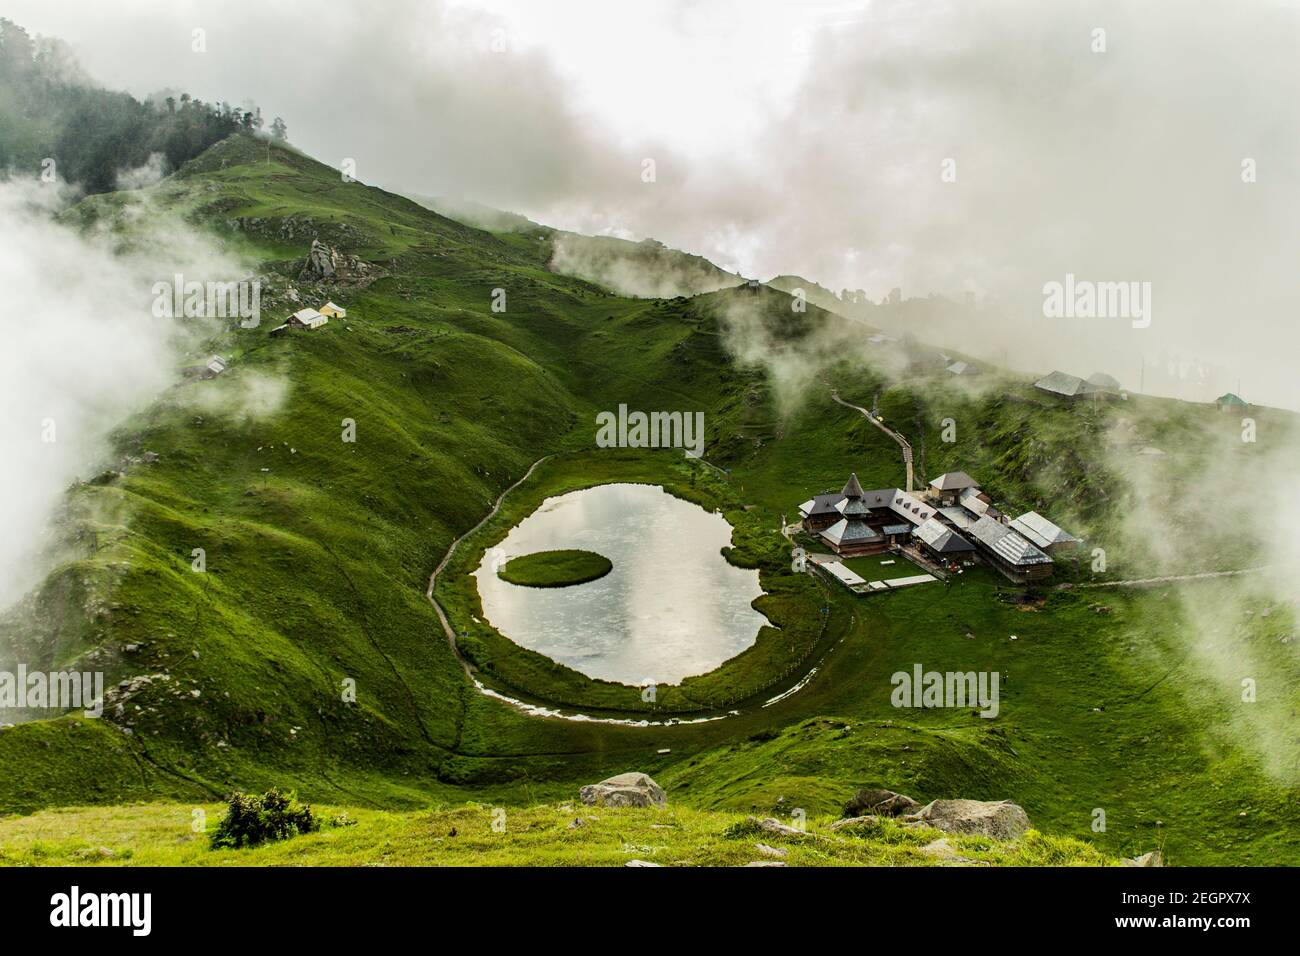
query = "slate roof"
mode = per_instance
[
  {"x": 972, "y": 499},
  {"x": 901, "y": 503},
  {"x": 820, "y": 504},
  {"x": 1040, "y": 531},
  {"x": 1101, "y": 382},
  {"x": 1011, "y": 546},
  {"x": 849, "y": 531},
  {"x": 941, "y": 538},
  {"x": 954, "y": 481},
  {"x": 959, "y": 516},
  {"x": 1062, "y": 383}
]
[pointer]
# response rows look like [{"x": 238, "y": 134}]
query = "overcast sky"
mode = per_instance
[{"x": 811, "y": 138}]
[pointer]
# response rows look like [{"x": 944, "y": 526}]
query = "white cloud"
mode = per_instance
[
  {"x": 808, "y": 138},
  {"x": 81, "y": 351}
]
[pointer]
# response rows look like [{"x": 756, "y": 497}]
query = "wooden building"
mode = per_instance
[
  {"x": 1043, "y": 534},
  {"x": 948, "y": 486},
  {"x": 1014, "y": 556},
  {"x": 943, "y": 544}
]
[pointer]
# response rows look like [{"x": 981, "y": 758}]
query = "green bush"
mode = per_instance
[{"x": 251, "y": 820}]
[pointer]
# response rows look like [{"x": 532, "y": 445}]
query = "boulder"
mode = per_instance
[
  {"x": 773, "y": 825},
  {"x": 881, "y": 803},
  {"x": 999, "y": 819},
  {"x": 1154, "y": 858},
  {"x": 322, "y": 262},
  {"x": 326, "y": 264},
  {"x": 624, "y": 790}
]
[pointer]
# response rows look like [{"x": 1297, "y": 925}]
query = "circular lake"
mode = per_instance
[{"x": 671, "y": 607}]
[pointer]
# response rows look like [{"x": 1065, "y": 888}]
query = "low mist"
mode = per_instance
[{"x": 82, "y": 347}]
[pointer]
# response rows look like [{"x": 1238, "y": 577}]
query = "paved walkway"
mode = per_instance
[{"x": 896, "y": 436}]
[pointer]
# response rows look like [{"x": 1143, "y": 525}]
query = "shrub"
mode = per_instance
[
  {"x": 251, "y": 820},
  {"x": 743, "y": 829}
]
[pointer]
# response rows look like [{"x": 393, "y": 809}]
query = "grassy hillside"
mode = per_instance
[
  {"x": 561, "y": 834},
  {"x": 306, "y": 655}
]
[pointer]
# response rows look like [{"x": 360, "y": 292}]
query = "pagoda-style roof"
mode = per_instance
[
  {"x": 853, "y": 489},
  {"x": 848, "y": 531}
]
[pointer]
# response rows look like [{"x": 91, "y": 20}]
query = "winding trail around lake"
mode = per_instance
[{"x": 537, "y": 710}]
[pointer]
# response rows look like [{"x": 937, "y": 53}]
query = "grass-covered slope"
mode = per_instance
[
  {"x": 558, "y": 834},
  {"x": 306, "y": 654}
]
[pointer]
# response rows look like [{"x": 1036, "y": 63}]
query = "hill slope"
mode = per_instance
[{"x": 319, "y": 551}]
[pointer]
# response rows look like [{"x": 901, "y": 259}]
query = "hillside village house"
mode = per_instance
[
  {"x": 952, "y": 524},
  {"x": 332, "y": 311},
  {"x": 1232, "y": 403},
  {"x": 306, "y": 319},
  {"x": 1064, "y": 385},
  {"x": 211, "y": 369},
  {"x": 948, "y": 486}
]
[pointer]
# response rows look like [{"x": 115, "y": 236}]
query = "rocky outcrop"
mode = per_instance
[
  {"x": 326, "y": 264},
  {"x": 322, "y": 262},
  {"x": 999, "y": 819},
  {"x": 624, "y": 790},
  {"x": 1154, "y": 858},
  {"x": 880, "y": 803}
]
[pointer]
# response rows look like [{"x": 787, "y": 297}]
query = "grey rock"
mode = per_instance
[
  {"x": 999, "y": 819},
  {"x": 1154, "y": 858},
  {"x": 772, "y": 825},
  {"x": 882, "y": 803},
  {"x": 624, "y": 790},
  {"x": 322, "y": 262}
]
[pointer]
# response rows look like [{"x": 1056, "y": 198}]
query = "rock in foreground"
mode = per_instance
[
  {"x": 880, "y": 803},
  {"x": 624, "y": 790},
  {"x": 999, "y": 819}
]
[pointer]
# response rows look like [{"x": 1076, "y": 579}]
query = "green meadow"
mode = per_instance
[{"x": 306, "y": 655}]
